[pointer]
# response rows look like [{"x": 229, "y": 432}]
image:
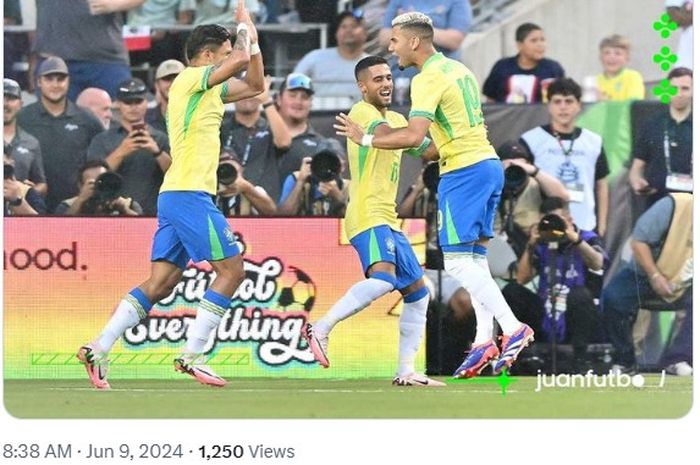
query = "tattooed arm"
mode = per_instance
[{"x": 239, "y": 58}]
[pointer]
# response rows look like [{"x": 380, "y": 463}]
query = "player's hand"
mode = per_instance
[
  {"x": 534, "y": 235},
  {"x": 130, "y": 144},
  {"x": 243, "y": 16},
  {"x": 348, "y": 128},
  {"x": 305, "y": 169},
  {"x": 331, "y": 189},
  {"x": 661, "y": 286}
]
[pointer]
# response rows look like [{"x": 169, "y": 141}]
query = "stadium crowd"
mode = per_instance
[{"x": 94, "y": 142}]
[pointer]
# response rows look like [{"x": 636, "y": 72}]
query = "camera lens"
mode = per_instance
[
  {"x": 515, "y": 180},
  {"x": 226, "y": 174},
  {"x": 325, "y": 166},
  {"x": 108, "y": 185},
  {"x": 9, "y": 171},
  {"x": 552, "y": 228}
]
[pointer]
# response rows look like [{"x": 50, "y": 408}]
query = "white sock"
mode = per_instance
[
  {"x": 209, "y": 315},
  {"x": 358, "y": 297},
  {"x": 484, "y": 326},
  {"x": 411, "y": 326},
  {"x": 124, "y": 317},
  {"x": 484, "y": 289}
]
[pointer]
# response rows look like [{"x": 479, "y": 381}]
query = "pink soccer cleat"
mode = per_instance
[
  {"x": 317, "y": 344},
  {"x": 189, "y": 365},
  {"x": 96, "y": 365}
]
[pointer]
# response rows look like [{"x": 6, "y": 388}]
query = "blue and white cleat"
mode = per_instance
[
  {"x": 512, "y": 345},
  {"x": 477, "y": 359}
]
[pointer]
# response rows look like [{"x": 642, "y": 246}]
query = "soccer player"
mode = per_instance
[
  {"x": 445, "y": 100},
  {"x": 189, "y": 225},
  {"x": 374, "y": 230}
]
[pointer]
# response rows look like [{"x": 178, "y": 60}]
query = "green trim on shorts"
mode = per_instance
[
  {"x": 217, "y": 251},
  {"x": 374, "y": 253},
  {"x": 452, "y": 236}
]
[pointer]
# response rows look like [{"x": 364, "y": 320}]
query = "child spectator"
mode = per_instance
[{"x": 617, "y": 82}]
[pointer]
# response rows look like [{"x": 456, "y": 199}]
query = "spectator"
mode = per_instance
[
  {"x": 662, "y": 268},
  {"x": 97, "y": 102},
  {"x": 573, "y": 155},
  {"x": 294, "y": 104},
  {"x": 14, "y": 44},
  {"x": 164, "y": 44},
  {"x": 63, "y": 130},
  {"x": 332, "y": 68},
  {"x": 525, "y": 77},
  {"x": 134, "y": 150},
  {"x": 564, "y": 306},
  {"x": 165, "y": 75},
  {"x": 22, "y": 148},
  {"x": 451, "y": 22},
  {"x": 237, "y": 196},
  {"x": 617, "y": 81},
  {"x": 305, "y": 194},
  {"x": 526, "y": 187},
  {"x": 221, "y": 11},
  {"x": 88, "y": 35},
  {"x": 663, "y": 154},
  {"x": 98, "y": 195},
  {"x": 681, "y": 11},
  {"x": 20, "y": 199},
  {"x": 257, "y": 140}
]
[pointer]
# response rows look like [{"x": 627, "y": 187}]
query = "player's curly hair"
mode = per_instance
[{"x": 206, "y": 36}]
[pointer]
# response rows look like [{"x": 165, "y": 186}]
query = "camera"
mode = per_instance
[
  {"x": 107, "y": 189},
  {"x": 515, "y": 181},
  {"x": 226, "y": 174},
  {"x": 325, "y": 166},
  {"x": 431, "y": 176},
  {"x": 9, "y": 171},
  {"x": 552, "y": 228}
]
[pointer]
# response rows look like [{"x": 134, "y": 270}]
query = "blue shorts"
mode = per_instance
[
  {"x": 468, "y": 199},
  {"x": 190, "y": 226},
  {"x": 383, "y": 244}
]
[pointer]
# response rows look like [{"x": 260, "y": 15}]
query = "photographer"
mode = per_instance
[
  {"x": 564, "y": 258},
  {"x": 526, "y": 186},
  {"x": 20, "y": 199},
  {"x": 134, "y": 150},
  {"x": 99, "y": 194},
  {"x": 237, "y": 196},
  {"x": 316, "y": 189}
]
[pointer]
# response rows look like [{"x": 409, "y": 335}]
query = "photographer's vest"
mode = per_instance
[
  {"x": 675, "y": 261},
  {"x": 323, "y": 206}
]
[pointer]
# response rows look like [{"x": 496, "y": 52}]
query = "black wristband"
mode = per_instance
[
  {"x": 537, "y": 170},
  {"x": 580, "y": 239},
  {"x": 267, "y": 105},
  {"x": 15, "y": 203}
]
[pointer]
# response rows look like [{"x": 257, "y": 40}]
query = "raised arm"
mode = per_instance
[{"x": 412, "y": 135}]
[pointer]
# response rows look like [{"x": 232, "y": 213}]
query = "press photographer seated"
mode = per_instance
[
  {"x": 316, "y": 189},
  {"x": 20, "y": 198},
  {"x": 525, "y": 188},
  {"x": 563, "y": 256},
  {"x": 99, "y": 194},
  {"x": 237, "y": 196}
]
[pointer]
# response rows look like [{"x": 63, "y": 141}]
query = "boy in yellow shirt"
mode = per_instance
[{"x": 617, "y": 81}]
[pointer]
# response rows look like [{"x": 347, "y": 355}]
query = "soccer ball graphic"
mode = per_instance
[{"x": 296, "y": 291}]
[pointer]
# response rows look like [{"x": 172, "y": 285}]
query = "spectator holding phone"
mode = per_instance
[{"x": 134, "y": 150}]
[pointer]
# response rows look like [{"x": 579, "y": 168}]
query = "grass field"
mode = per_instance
[{"x": 302, "y": 398}]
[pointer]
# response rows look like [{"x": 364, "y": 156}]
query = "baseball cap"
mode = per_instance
[
  {"x": 298, "y": 81},
  {"x": 53, "y": 65},
  {"x": 131, "y": 89},
  {"x": 168, "y": 68},
  {"x": 11, "y": 87},
  {"x": 675, "y": 3},
  {"x": 511, "y": 149}
]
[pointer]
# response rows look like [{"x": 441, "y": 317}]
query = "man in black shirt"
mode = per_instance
[
  {"x": 663, "y": 155},
  {"x": 64, "y": 131}
]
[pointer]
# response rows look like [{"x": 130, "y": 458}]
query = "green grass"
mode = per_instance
[{"x": 302, "y": 398}]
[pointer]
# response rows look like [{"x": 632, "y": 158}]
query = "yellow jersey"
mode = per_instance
[
  {"x": 374, "y": 173},
  {"x": 446, "y": 93},
  {"x": 628, "y": 84},
  {"x": 194, "y": 119}
]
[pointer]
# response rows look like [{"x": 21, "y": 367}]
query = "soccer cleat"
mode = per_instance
[
  {"x": 476, "y": 360},
  {"x": 680, "y": 369},
  {"x": 96, "y": 365},
  {"x": 415, "y": 379},
  {"x": 189, "y": 365},
  {"x": 317, "y": 344},
  {"x": 512, "y": 345}
]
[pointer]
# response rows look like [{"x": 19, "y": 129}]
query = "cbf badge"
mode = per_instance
[{"x": 390, "y": 246}]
